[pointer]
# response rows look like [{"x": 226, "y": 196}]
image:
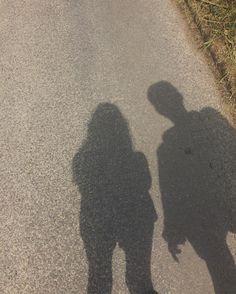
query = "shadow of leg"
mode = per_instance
[
  {"x": 100, "y": 268},
  {"x": 220, "y": 263},
  {"x": 221, "y": 266},
  {"x": 138, "y": 267}
]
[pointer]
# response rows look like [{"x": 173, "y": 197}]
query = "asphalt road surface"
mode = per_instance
[{"x": 115, "y": 153}]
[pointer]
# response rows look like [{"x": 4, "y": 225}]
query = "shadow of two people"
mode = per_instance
[{"x": 116, "y": 207}]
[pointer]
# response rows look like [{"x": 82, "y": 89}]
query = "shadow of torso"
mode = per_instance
[
  {"x": 195, "y": 192},
  {"x": 115, "y": 198}
]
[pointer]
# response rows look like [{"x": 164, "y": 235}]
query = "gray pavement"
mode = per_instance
[{"x": 74, "y": 190}]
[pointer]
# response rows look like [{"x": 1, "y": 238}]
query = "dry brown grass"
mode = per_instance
[{"x": 216, "y": 20}]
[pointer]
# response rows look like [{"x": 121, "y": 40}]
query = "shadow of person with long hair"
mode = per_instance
[
  {"x": 193, "y": 162},
  {"x": 116, "y": 207}
]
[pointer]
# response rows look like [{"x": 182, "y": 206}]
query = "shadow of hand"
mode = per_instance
[
  {"x": 173, "y": 244},
  {"x": 174, "y": 251}
]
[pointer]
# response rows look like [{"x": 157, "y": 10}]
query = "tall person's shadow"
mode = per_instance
[
  {"x": 195, "y": 183},
  {"x": 116, "y": 207}
]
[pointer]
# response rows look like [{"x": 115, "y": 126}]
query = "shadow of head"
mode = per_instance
[
  {"x": 166, "y": 100},
  {"x": 109, "y": 127}
]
